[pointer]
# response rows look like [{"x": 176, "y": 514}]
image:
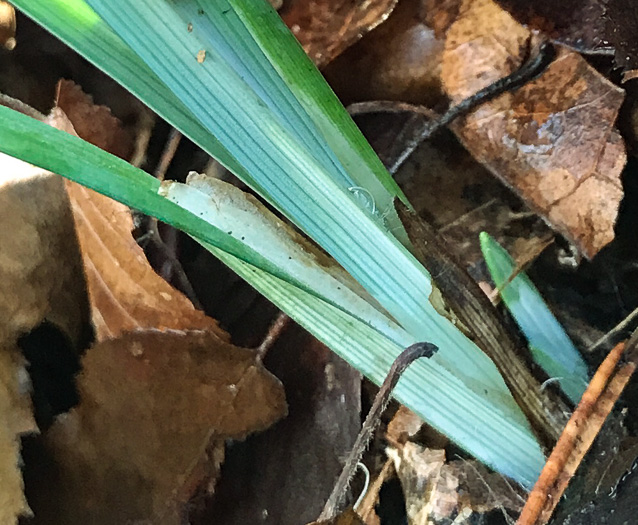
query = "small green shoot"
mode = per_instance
[{"x": 551, "y": 347}]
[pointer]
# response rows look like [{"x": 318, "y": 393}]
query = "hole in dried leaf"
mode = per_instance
[
  {"x": 53, "y": 364},
  {"x": 391, "y": 505}
]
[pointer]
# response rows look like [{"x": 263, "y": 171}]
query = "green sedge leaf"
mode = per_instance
[{"x": 551, "y": 347}]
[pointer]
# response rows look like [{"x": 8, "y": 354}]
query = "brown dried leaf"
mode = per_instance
[
  {"x": 303, "y": 455},
  {"x": 440, "y": 14},
  {"x": 40, "y": 279},
  {"x": 161, "y": 381},
  {"x": 436, "y": 490},
  {"x": 552, "y": 140},
  {"x": 482, "y": 45},
  {"x": 40, "y": 266},
  {"x": 399, "y": 60},
  {"x": 326, "y": 28},
  {"x": 133, "y": 449},
  {"x": 126, "y": 294},
  {"x": 404, "y": 425},
  {"x": 462, "y": 198},
  {"x": 585, "y": 25},
  {"x": 482, "y": 490},
  {"x": 93, "y": 123},
  {"x": 430, "y": 490},
  {"x": 16, "y": 417}
]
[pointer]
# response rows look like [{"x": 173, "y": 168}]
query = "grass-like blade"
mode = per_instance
[
  {"x": 550, "y": 346},
  {"x": 239, "y": 97}
]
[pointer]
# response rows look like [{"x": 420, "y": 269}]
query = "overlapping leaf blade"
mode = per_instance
[
  {"x": 76, "y": 24},
  {"x": 37, "y": 143},
  {"x": 157, "y": 58},
  {"x": 481, "y": 425},
  {"x": 429, "y": 388},
  {"x": 302, "y": 188},
  {"x": 323, "y": 107}
]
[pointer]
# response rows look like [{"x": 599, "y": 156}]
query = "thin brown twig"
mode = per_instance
[
  {"x": 615, "y": 330},
  {"x": 578, "y": 435},
  {"x": 603, "y": 408},
  {"x": 274, "y": 332},
  {"x": 153, "y": 234},
  {"x": 390, "y": 106},
  {"x": 521, "y": 266},
  {"x": 366, "y": 507},
  {"x": 407, "y": 357},
  {"x": 21, "y": 107},
  {"x": 466, "y": 217},
  {"x": 538, "y": 61},
  {"x": 170, "y": 148},
  {"x": 143, "y": 133}
]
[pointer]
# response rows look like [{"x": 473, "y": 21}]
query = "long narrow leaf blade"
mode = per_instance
[
  {"x": 356, "y": 331},
  {"x": 76, "y": 24},
  {"x": 37, "y": 143},
  {"x": 322, "y": 105},
  {"x": 287, "y": 168},
  {"x": 291, "y": 175},
  {"x": 480, "y": 424},
  {"x": 235, "y": 45},
  {"x": 241, "y": 215},
  {"x": 431, "y": 389},
  {"x": 294, "y": 181},
  {"x": 551, "y": 347}
]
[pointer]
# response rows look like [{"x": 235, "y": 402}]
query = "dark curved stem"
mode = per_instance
[{"x": 407, "y": 357}]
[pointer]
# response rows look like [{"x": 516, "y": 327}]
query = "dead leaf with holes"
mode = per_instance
[
  {"x": 553, "y": 140},
  {"x": 436, "y": 490},
  {"x": 40, "y": 282},
  {"x": 326, "y": 28},
  {"x": 161, "y": 389}
]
